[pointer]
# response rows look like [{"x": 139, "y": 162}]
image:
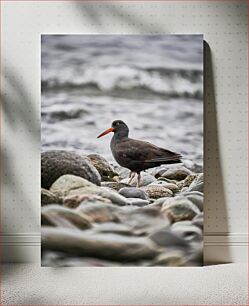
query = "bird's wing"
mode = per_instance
[{"x": 142, "y": 151}]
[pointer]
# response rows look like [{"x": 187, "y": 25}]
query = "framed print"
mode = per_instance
[{"x": 134, "y": 198}]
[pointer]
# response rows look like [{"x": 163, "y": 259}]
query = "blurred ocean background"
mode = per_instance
[{"x": 154, "y": 83}]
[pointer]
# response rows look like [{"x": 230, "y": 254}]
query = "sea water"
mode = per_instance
[{"x": 153, "y": 82}]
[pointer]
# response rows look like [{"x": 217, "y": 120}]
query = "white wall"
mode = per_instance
[{"x": 224, "y": 25}]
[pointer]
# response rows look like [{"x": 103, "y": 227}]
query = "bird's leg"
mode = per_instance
[
  {"x": 138, "y": 179},
  {"x": 131, "y": 176}
]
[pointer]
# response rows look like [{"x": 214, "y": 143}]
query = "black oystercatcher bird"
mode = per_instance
[{"x": 137, "y": 155}]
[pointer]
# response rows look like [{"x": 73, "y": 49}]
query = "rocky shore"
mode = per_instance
[{"x": 90, "y": 216}]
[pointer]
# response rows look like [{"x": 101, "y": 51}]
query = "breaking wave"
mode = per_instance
[{"x": 119, "y": 80}]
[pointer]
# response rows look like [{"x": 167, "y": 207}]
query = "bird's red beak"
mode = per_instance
[{"x": 106, "y": 132}]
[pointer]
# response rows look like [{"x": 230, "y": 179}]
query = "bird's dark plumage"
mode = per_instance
[{"x": 137, "y": 155}]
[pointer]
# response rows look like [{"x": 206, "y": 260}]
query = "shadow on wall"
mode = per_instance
[
  {"x": 19, "y": 103},
  {"x": 95, "y": 14},
  {"x": 214, "y": 181},
  {"x": 20, "y": 119}
]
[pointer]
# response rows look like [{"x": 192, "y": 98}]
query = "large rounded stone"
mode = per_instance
[
  {"x": 173, "y": 258},
  {"x": 195, "y": 197},
  {"x": 67, "y": 183},
  {"x": 99, "y": 212},
  {"x": 132, "y": 192},
  {"x": 170, "y": 186},
  {"x": 156, "y": 192},
  {"x": 56, "y": 215},
  {"x": 179, "y": 208},
  {"x": 167, "y": 238},
  {"x": 196, "y": 186},
  {"x": 88, "y": 190},
  {"x": 104, "y": 192},
  {"x": 109, "y": 246},
  {"x": 138, "y": 202},
  {"x": 105, "y": 170},
  {"x": 113, "y": 196},
  {"x": 143, "y": 220},
  {"x": 73, "y": 201},
  {"x": 178, "y": 174},
  {"x": 58, "y": 162},
  {"x": 187, "y": 181},
  {"x": 47, "y": 197}
]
